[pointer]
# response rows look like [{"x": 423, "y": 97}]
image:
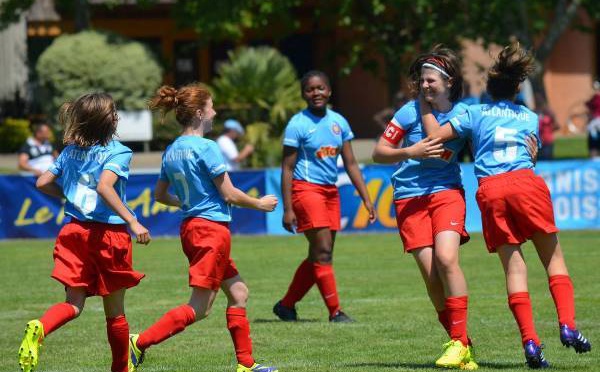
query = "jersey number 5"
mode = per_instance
[{"x": 505, "y": 145}]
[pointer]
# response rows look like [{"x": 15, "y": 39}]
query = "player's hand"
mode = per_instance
[
  {"x": 532, "y": 147},
  {"x": 141, "y": 233},
  {"x": 427, "y": 148},
  {"x": 267, "y": 203},
  {"x": 289, "y": 221},
  {"x": 371, "y": 210}
]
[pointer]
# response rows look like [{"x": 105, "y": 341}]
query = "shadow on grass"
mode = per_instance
[
  {"x": 260, "y": 320},
  {"x": 491, "y": 365}
]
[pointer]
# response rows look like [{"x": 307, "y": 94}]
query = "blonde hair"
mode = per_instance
[
  {"x": 185, "y": 101},
  {"x": 89, "y": 120}
]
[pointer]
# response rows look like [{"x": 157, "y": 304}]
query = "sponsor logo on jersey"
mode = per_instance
[
  {"x": 335, "y": 128},
  {"x": 447, "y": 154},
  {"x": 326, "y": 152}
]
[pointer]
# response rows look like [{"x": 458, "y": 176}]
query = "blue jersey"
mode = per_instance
[
  {"x": 189, "y": 164},
  {"x": 79, "y": 169},
  {"x": 416, "y": 177},
  {"x": 319, "y": 142},
  {"x": 498, "y": 131}
]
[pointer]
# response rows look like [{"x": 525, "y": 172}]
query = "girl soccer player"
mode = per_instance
[
  {"x": 313, "y": 140},
  {"x": 515, "y": 204},
  {"x": 195, "y": 168},
  {"x": 429, "y": 199},
  {"x": 92, "y": 254}
]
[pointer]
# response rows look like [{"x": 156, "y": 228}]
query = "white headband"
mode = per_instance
[{"x": 438, "y": 69}]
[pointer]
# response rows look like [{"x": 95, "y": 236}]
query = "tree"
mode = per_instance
[{"x": 396, "y": 30}]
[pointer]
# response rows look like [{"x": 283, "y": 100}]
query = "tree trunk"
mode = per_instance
[{"x": 82, "y": 15}]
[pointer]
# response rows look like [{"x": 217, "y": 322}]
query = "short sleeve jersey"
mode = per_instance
[
  {"x": 498, "y": 132},
  {"x": 417, "y": 177},
  {"x": 79, "y": 170},
  {"x": 190, "y": 164},
  {"x": 319, "y": 142},
  {"x": 40, "y": 155}
]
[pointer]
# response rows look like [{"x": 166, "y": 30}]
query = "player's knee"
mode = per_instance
[{"x": 239, "y": 297}]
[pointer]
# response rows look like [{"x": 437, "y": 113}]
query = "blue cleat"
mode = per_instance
[
  {"x": 573, "y": 338},
  {"x": 287, "y": 314},
  {"x": 534, "y": 356}
]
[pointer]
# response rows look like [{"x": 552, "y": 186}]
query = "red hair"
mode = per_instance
[{"x": 185, "y": 101}]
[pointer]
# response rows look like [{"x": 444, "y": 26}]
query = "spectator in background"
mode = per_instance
[
  {"x": 37, "y": 153},
  {"x": 547, "y": 125},
  {"x": 226, "y": 141},
  {"x": 593, "y": 106},
  {"x": 383, "y": 117}
]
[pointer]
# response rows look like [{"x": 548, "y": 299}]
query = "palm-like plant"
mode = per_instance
[{"x": 258, "y": 85}]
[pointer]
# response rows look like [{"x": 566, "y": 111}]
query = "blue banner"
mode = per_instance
[
  {"x": 574, "y": 185},
  {"x": 27, "y": 213}
]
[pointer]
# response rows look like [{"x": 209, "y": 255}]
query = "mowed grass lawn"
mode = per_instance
[{"x": 380, "y": 287}]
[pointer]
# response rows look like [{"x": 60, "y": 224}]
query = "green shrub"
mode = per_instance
[
  {"x": 92, "y": 61},
  {"x": 13, "y": 133}
]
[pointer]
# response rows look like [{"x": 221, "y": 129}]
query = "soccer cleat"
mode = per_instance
[
  {"x": 453, "y": 356},
  {"x": 30, "y": 346},
  {"x": 136, "y": 356},
  {"x": 256, "y": 368},
  {"x": 287, "y": 314},
  {"x": 534, "y": 356},
  {"x": 340, "y": 317},
  {"x": 469, "y": 363},
  {"x": 572, "y": 337}
]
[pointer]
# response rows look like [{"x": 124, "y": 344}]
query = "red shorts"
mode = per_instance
[
  {"x": 514, "y": 206},
  {"x": 207, "y": 245},
  {"x": 315, "y": 206},
  {"x": 95, "y": 256},
  {"x": 421, "y": 218}
]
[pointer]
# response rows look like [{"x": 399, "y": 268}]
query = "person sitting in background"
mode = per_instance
[
  {"x": 383, "y": 116},
  {"x": 547, "y": 126},
  {"x": 593, "y": 106},
  {"x": 37, "y": 154},
  {"x": 226, "y": 141}
]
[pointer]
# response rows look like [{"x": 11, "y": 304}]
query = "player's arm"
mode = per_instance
[
  {"x": 387, "y": 152},
  {"x": 532, "y": 147},
  {"x": 162, "y": 195},
  {"x": 290, "y": 156},
  {"x": 431, "y": 126},
  {"x": 23, "y": 163},
  {"x": 46, "y": 183},
  {"x": 357, "y": 179},
  {"x": 233, "y": 195},
  {"x": 106, "y": 190}
]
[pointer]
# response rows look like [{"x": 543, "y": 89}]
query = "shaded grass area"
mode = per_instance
[{"x": 396, "y": 328}]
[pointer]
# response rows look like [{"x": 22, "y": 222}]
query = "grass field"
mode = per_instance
[{"x": 396, "y": 328}]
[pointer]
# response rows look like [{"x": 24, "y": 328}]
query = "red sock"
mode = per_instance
[
  {"x": 443, "y": 319},
  {"x": 239, "y": 328},
  {"x": 56, "y": 316},
  {"x": 456, "y": 307},
  {"x": 117, "y": 330},
  {"x": 561, "y": 288},
  {"x": 173, "y": 322},
  {"x": 304, "y": 279},
  {"x": 325, "y": 278},
  {"x": 520, "y": 305}
]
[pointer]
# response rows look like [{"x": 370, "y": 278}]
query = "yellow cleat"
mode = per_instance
[
  {"x": 30, "y": 346},
  {"x": 469, "y": 363},
  {"x": 453, "y": 356},
  {"x": 136, "y": 356},
  {"x": 256, "y": 368}
]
